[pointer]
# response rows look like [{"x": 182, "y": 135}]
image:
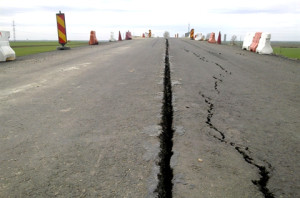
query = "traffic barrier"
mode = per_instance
[
  {"x": 192, "y": 34},
  {"x": 198, "y": 36},
  {"x": 112, "y": 37},
  {"x": 120, "y": 37},
  {"x": 212, "y": 38},
  {"x": 128, "y": 36},
  {"x": 62, "y": 31},
  {"x": 219, "y": 38},
  {"x": 248, "y": 40},
  {"x": 255, "y": 41},
  {"x": 6, "y": 52},
  {"x": 207, "y": 36},
  {"x": 202, "y": 37},
  {"x": 93, "y": 39},
  {"x": 264, "y": 45}
]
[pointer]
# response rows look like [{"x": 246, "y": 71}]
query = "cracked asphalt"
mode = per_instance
[
  {"x": 86, "y": 122},
  {"x": 240, "y": 113}
]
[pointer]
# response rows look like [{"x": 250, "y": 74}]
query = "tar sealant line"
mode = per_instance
[{"x": 165, "y": 176}]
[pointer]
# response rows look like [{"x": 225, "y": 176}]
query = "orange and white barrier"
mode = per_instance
[
  {"x": 93, "y": 39},
  {"x": 212, "y": 38},
  {"x": 258, "y": 42},
  {"x": 128, "y": 36},
  {"x": 255, "y": 41},
  {"x": 6, "y": 52}
]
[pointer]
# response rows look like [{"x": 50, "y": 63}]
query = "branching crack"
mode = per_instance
[
  {"x": 209, "y": 117},
  {"x": 244, "y": 151},
  {"x": 263, "y": 172}
]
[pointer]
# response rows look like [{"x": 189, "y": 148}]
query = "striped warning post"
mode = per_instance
[
  {"x": 61, "y": 28},
  {"x": 192, "y": 34}
]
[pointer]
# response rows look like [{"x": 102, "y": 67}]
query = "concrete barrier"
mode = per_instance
[
  {"x": 212, "y": 38},
  {"x": 264, "y": 45},
  {"x": 6, "y": 52},
  {"x": 248, "y": 40},
  {"x": 207, "y": 36},
  {"x": 112, "y": 37},
  {"x": 93, "y": 39},
  {"x": 129, "y": 37},
  {"x": 198, "y": 36},
  {"x": 258, "y": 42}
]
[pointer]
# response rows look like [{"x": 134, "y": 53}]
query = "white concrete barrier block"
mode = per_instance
[
  {"x": 198, "y": 36},
  {"x": 112, "y": 37},
  {"x": 248, "y": 40},
  {"x": 264, "y": 45},
  {"x": 6, "y": 52}
]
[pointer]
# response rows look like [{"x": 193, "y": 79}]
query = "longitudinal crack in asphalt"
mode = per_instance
[
  {"x": 264, "y": 174},
  {"x": 209, "y": 117},
  {"x": 263, "y": 171},
  {"x": 165, "y": 176}
]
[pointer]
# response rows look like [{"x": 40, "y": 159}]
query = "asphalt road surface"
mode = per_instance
[{"x": 86, "y": 122}]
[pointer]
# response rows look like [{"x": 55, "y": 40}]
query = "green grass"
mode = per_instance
[
  {"x": 23, "y": 48},
  {"x": 288, "y": 52}
]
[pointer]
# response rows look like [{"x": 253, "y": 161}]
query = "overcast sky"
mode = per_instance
[{"x": 36, "y": 20}]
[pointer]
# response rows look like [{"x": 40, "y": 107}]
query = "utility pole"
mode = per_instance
[{"x": 14, "y": 30}]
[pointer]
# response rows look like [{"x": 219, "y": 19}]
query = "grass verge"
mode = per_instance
[
  {"x": 287, "y": 52},
  {"x": 23, "y": 48}
]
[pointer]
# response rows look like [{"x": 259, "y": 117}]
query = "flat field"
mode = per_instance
[
  {"x": 288, "y": 52},
  {"x": 290, "y": 49},
  {"x": 23, "y": 48}
]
